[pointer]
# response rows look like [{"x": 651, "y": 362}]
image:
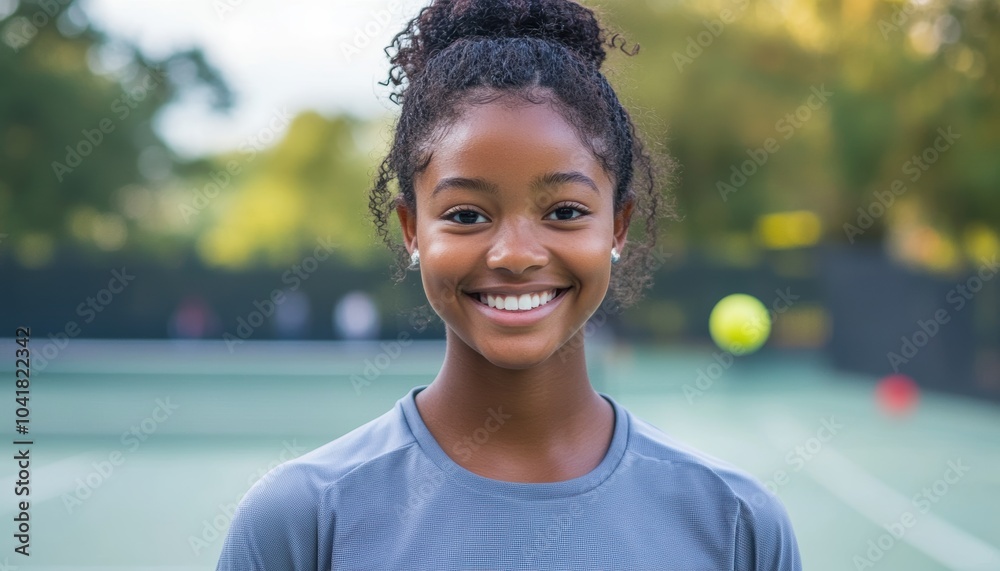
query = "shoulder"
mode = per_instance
[
  {"x": 649, "y": 443},
  {"x": 306, "y": 477},
  {"x": 761, "y": 528},
  {"x": 282, "y": 519}
]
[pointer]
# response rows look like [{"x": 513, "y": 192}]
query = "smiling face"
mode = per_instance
[{"x": 513, "y": 211}]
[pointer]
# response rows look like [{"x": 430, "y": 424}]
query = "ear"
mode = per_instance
[
  {"x": 408, "y": 221},
  {"x": 622, "y": 220}
]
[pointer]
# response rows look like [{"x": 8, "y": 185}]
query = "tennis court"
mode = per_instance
[{"x": 142, "y": 448}]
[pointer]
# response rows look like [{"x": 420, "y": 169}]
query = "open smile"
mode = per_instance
[
  {"x": 517, "y": 302},
  {"x": 517, "y": 309}
]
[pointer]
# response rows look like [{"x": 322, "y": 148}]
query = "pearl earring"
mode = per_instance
[
  {"x": 414, "y": 261},
  {"x": 615, "y": 256}
]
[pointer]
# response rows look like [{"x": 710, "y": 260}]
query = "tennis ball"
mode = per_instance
[{"x": 739, "y": 323}]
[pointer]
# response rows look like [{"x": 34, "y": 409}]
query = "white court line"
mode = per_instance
[{"x": 874, "y": 499}]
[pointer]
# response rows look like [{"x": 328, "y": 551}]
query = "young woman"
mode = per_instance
[{"x": 518, "y": 173}]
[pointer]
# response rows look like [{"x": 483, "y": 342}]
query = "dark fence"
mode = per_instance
[{"x": 868, "y": 314}]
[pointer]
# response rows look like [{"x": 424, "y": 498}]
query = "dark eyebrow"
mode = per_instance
[
  {"x": 548, "y": 179},
  {"x": 557, "y": 178},
  {"x": 470, "y": 183}
]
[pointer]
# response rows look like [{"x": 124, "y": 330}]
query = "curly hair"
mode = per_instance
[{"x": 456, "y": 53}]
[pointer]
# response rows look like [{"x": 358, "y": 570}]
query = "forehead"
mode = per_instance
[{"x": 506, "y": 137}]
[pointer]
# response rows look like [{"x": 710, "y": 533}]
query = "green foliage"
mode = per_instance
[
  {"x": 845, "y": 93},
  {"x": 311, "y": 185},
  {"x": 898, "y": 72},
  {"x": 71, "y": 138}
]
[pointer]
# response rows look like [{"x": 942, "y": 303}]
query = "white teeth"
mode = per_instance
[{"x": 521, "y": 302}]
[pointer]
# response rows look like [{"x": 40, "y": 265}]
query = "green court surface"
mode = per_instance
[{"x": 864, "y": 490}]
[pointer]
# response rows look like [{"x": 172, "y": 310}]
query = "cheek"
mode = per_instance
[
  {"x": 439, "y": 288},
  {"x": 589, "y": 259},
  {"x": 442, "y": 268},
  {"x": 595, "y": 242}
]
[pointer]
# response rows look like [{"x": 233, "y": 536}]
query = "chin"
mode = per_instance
[{"x": 509, "y": 354}]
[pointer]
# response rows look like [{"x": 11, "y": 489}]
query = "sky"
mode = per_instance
[{"x": 278, "y": 57}]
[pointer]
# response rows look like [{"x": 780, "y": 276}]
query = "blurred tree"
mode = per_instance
[
  {"x": 280, "y": 202},
  {"x": 722, "y": 77},
  {"x": 75, "y": 111},
  {"x": 771, "y": 106}
]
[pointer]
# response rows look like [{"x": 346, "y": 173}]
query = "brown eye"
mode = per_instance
[
  {"x": 467, "y": 217},
  {"x": 566, "y": 213}
]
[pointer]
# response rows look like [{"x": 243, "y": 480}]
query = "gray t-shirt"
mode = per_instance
[{"x": 386, "y": 496}]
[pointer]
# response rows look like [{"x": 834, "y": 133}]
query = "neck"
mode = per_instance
[{"x": 542, "y": 423}]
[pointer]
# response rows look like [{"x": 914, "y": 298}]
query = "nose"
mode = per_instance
[{"x": 517, "y": 246}]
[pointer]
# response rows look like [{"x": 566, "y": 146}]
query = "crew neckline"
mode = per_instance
[{"x": 518, "y": 490}]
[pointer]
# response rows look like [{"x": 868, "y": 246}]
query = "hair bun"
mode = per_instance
[{"x": 446, "y": 21}]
